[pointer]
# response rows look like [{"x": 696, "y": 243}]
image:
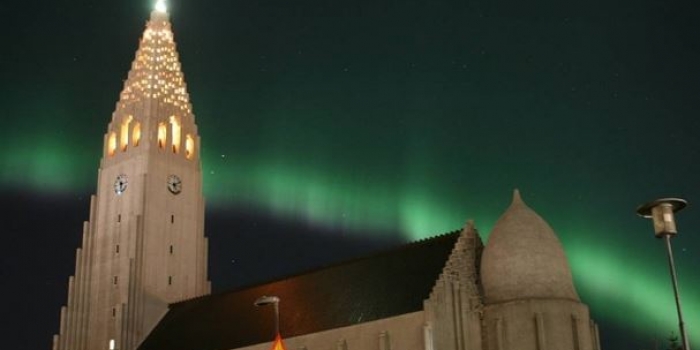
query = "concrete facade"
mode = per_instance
[
  {"x": 144, "y": 248},
  {"x": 407, "y": 332},
  {"x": 144, "y": 245},
  {"x": 529, "y": 297}
]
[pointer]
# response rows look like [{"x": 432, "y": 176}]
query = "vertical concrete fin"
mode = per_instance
[
  {"x": 428, "y": 337},
  {"x": 500, "y": 335},
  {"x": 384, "y": 341},
  {"x": 62, "y": 328},
  {"x": 455, "y": 314},
  {"x": 88, "y": 252},
  {"x": 575, "y": 329},
  {"x": 79, "y": 304},
  {"x": 595, "y": 336},
  {"x": 138, "y": 302},
  {"x": 70, "y": 313},
  {"x": 128, "y": 310},
  {"x": 541, "y": 336},
  {"x": 123, "y": 334}
]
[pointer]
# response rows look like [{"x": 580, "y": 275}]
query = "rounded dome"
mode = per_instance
[{"x": 523, "y": 259}]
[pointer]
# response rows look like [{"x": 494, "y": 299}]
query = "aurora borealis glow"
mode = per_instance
[{"x": 381, "y": 120}]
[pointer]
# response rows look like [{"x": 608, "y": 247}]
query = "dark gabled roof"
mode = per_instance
[{"x": 383, "y": 285}]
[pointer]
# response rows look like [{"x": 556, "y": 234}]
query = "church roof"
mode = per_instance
[
  {"x": 383, "y": 285},
  {"x": 524, "y": 259}
]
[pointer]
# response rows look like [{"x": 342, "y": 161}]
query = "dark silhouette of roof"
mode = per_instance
[{"x": 387, "y": 284}]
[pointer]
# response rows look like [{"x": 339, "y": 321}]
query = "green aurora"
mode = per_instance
[{"x": 413, "y": 119}]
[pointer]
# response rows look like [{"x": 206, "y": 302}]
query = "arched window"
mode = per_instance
[
  {"x": 189, "y": 147},
  {"x": 111, "y": 143},
  {"x": 124, "y": 139},
  {"x": 136, "y": 134},
  {"x": 175, "y": 130},
  {"x": 162, "y": 132}
]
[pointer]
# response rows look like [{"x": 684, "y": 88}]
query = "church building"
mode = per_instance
[{"x": 140, "y": 280}]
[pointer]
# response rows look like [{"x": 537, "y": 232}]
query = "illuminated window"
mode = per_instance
[
  {"x": 136, "y": 135},
  {"x": 189, "y": 147},
  {"x": 112, "y": 344},
  {"x": 124, "y": 139},
  {"x": 175, "y": 131},
  {"x": 111, "y": 143},
  {"x": 162, "y": 131}
]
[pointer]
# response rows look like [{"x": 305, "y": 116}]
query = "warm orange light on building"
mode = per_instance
[
  {"x": 136, "y": 134},
  {"x": 278, "y": 345},
  {"x": 189, "y": 146},
  {"x": 162, "y": 134},
  {"x": 124, "y": 137},
  {"x": 111, "y": 143},
  {"x": 175, "y": 130}
]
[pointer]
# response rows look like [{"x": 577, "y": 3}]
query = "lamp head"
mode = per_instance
[
  {"x": 661, "y": 212},
  {"x": 267, "y": 300}
]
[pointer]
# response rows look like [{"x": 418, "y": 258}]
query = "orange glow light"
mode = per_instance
[{"x": 278, "y": 345}]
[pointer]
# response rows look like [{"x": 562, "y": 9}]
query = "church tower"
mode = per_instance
[{"x": 144, "y": 245}]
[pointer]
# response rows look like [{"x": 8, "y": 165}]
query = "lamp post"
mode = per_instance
[
  {"x": 267, "y": 300},
  {"x": 661, "y": 212}
]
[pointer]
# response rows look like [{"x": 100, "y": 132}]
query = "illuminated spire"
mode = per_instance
[
  {"x": 161, "y": 6},
  {"x": 156, "y": 74}
]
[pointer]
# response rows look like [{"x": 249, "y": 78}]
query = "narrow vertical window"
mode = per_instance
[
  {"x": 162, "y": 134},
  {"x": 116, "y": 249},
  {"x": 170, "y": 280},
  {"x": 119, "y": 217},
  {"x": 171, "y": 249},
  {"x": 111, "y": 143},
  {"x": 175, "y": 131},
  {"x": 115, "y": 279},
  {"x": 112, "y": 344},
  {"x": 172, "y": 219},
  {"x": 136, "y": 134},
  {"x": 189, "y": 147},
  {"x": 124, "y": 137},
  {"x": 114, "y": 312}
]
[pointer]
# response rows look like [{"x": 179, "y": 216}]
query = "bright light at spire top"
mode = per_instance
[{"x": 161, "y": 7}]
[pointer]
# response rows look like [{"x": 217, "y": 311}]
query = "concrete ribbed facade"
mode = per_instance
[{"x": 143, "y": 246}]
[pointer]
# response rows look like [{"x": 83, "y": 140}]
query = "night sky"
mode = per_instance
[{"x": 331, "y": 129}]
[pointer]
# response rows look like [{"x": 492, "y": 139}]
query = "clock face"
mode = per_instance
[
  {"x": 120, "y": 184},
  {"x": 174, "y": 184}
]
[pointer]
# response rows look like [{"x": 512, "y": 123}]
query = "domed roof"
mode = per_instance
[{"x": 523, "y": 259}]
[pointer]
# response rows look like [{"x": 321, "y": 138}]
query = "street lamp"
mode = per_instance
[
  {"x": 661, "y": 212},
  {"x": 267, "y": 300}
]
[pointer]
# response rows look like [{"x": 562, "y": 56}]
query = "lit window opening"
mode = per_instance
[
  {"x": 136, "y": 135},
  {"x": 175, "y": 131},
  {"x": 112, "y": 143},
  {"x": 124, "y": 139},
  {"x": 189, "y": 146},
  {"x": 162, "y": 134}
]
